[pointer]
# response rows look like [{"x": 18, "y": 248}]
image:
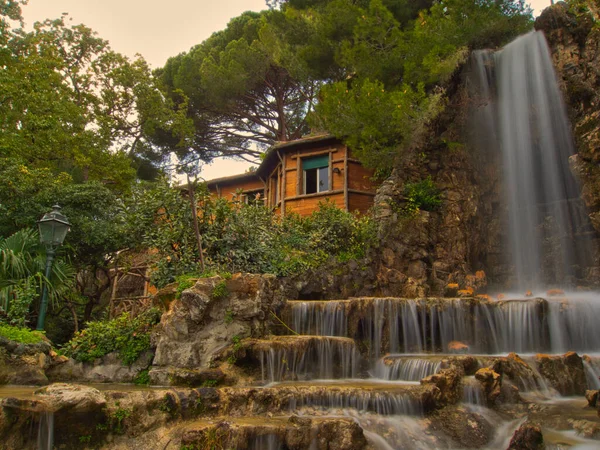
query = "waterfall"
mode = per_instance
[
  {"x": 406, "y": 368},
  {"x": 407, "y": 326},
  {"x": 266, "y": 442},
  {"x": 316, "y": 358},
  {"x": 473, "y": 392},
  {"x": 319, "y": 318},
  {"x": 46, "y": 431},
  {"x": 380, "y": 402},
  {"x": 547, "y": 227}
]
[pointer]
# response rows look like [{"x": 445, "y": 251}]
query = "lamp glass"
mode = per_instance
[{"x": 53, "y": 228}]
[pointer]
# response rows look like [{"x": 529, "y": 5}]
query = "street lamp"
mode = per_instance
[{"x": 53, "y": 229}]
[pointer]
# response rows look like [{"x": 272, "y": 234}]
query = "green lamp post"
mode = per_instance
[{"x": 53, "y": 229}]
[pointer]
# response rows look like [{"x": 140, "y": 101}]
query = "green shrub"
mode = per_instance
[
  {"x": 22, "y": 335},
  {"x": 129, "y": 337},
  {"x": 238, "y": 237},
  {"x": 423, "y": 195},
  {"x": 142, "y": 378},
  {"x": 185, "y": 281},
  {"x": 220, "y": 291}
]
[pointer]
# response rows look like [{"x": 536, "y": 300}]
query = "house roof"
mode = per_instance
[
  {"x": 232, "y": 178},
  {"x": 271, "y": 158}
]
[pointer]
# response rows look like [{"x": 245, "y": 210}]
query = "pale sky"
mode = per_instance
[{"x": 157, "y": 30}]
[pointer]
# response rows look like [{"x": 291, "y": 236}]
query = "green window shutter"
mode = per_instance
[{"x": 315, "y": 162}]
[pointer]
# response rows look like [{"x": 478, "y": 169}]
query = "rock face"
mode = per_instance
[
  {"x": 575, "y": 45},
  {"x": 74, "y": 410},
  {"x": 108, "y": 369},
  {"x": 527, "y": 437},
  {"x": 23, "y": 363},
  {"x": 207, "y": 317},
  {"x": 448, "y": 381},
  {"x": 293, "y": 433},
  {"x": 491, "y": 382},
  {"x": 565, "y": 373},
  {"x": 467, "y": 429}
]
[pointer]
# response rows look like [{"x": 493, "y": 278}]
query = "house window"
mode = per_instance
[
  {"x": 254, "y": 197},
  {"x": 316, "y": 174}
]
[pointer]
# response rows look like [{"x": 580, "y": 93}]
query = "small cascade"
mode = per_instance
[
  {"x": 308, "y": 358},
  {"x": 321, "y": 318},
  {"x": 592, "y": 371},
  {"x": 266, "y": 442},
  {"x": 417, "y": 326},
  {"x": 473, "y": 392},
  {"x": 46, "y": 431},
  {"x": 379, "y": 402},
  {"x": 406, "y": 368},
  {"x": 532, "y": 381}
]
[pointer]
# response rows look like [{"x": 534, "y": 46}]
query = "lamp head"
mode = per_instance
[{"x": 53, "y": 227}]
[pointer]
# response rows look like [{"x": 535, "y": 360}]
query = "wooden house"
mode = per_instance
[{"x": 297, "y": 175}]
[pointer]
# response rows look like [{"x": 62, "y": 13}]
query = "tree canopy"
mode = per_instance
[
  {"x": 241, "y": 97},
  {"x": 369, "y": 71}
]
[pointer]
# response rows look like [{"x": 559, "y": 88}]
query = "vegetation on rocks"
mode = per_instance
[
  {"x": 22, "y": 335},
  {"x": 238, "y": 237},
  {"x": 127, "y": 336}
]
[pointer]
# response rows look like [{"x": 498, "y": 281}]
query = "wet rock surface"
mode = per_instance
[
  {"x": 527, "y": 437},
  {"x": 565, "y": 373},
  {"x": 448, "y": 381},
  {"x": 293, "y": 433},
  {"x": 467, "y": 429},
  {"x": 491, "y": 383}
]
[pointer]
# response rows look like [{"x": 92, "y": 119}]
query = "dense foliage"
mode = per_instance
[
  {"x": 22, "y": 267},
  {"x": 82, "y": 126},
  {"x": 396, "y": 74},
  {"x": 129, "y": 337},
  {"x": 240, "y": 237},
  {"x": 22, "y": 335}
]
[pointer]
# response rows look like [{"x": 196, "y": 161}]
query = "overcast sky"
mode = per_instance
[{"x": 157, "y": 30}]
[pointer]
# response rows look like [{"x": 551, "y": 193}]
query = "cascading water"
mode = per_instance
[
  {"x": 403, "y": 341},
  {"x": 314, "y": 358},
  {"x": 392, "y": 325},
  {"x": 548, "y": 233},
  {"x": 46, "y": 431},
  {"x": 406, "y": 368}
]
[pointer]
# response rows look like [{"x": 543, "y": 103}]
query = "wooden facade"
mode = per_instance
[{"x": 295, "y": 176}]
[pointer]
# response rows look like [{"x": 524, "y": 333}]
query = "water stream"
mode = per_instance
[
  {"x": 523, "y": 119},
  {"x": 402, "y": 341}
]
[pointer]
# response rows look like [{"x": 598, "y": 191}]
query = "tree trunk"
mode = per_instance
[{"x": 193, "y": 206}]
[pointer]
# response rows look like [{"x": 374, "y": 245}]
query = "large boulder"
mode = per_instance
[
  {"x": 24, "y": 364},
  {"x": 448, "y": 381},
  {"x": 565, "y": 373},
  {"x": 466, "y": 428},
  {"x": 527, "y": 437},
  {"x": 208, "y": 316},
  {"x": 491, "y": 383}
]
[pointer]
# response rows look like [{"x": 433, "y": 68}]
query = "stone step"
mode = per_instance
[
  {"x": 262, "y": 433},
  {"x": 363, "y": 395},
  {"x": 282, "y": 358}
]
